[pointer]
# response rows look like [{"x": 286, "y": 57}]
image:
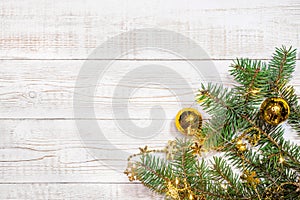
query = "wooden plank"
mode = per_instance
[
  {"x": 53, "y": 150},
  {"x": 72, "y": 30},
  {"x": 43, "y": 46},
  {"x": 40, "y": 89},
  {"x": 76, "y": 191}
]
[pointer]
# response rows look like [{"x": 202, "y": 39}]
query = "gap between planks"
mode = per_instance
[
  {"x": 72, "y": 183},
  {"x": 128, "y": 59}
]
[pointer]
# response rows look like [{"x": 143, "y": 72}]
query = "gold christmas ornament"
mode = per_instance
[
  {"x": 188, "y": 121},
  {"x": 275, "y": 110}
]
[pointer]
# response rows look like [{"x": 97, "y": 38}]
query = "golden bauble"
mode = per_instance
[
  {"x": 188, "y": 121},
  {"x": 275, "y": 110}
]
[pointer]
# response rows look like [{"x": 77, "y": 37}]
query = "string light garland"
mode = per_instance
[{"x": 252, "y": 158}]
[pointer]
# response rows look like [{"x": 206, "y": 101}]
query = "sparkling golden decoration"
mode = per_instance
[
  {"x": 241, "y": 146},
  {"x": 171, "y": 149},
  {"x": 130, "y": 172},
  {"x": 250, "y": 178},
  {"x": 275, "y": 110},
  {"x": 176, "y": 181},
  {"x": 188, "y": 121},
  {"x": 252, "y": 134},
  {"x": 197, "y": 148},
  {"x": 191, "y": 197},
  {"x": 175, "y": 191},
  {"x": 254, "y": 139},
  {"x": 172, "y": 191},
  {"x": 144, "y": 150},
  {"x": 224, "y": 186},
  {"x": 254, "y": 91},
  {"x": 281, "y": 159}
]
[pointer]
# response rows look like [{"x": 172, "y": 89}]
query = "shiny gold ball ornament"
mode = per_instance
[
  {"x": 275, "y": 110},
  {"x": 188, "y": 121}
]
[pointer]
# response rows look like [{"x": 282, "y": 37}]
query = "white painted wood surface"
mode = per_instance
[
  {"x": 75, "y": 191},
  {"x": 43, "y": 45}
]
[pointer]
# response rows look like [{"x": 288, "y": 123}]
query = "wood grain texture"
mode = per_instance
[
  {"x": 42, "y": 89},
  {"x": 53, "y": 151},
  {"x": 43, "y": 46},
  {"x": 76, "y": 191},
  {"x": 71, "y": 30}
]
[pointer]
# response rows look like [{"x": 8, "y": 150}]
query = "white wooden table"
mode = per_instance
[{"x": 44, "y": 45}]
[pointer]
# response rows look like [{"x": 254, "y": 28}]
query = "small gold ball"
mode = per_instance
[
  {"x": 176, "y": 181},
  {"x": 242, "y": 147},
  {"x": 188, "y": 121},
  {"x": 239, "y": 142},
  {"x": 275, "y": 110},
  {"x": 281, "y": 159}
]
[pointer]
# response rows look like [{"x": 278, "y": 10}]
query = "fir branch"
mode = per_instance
[
  {"x": 251, "y": 74},
  {"x": 154, "y": 173},
  {"x": 270, "y": 169},
  {"x": 184, "y": 160},
  {"x": 261, "y": 130},
  {"x": 294, "y": 118},
  {"x": 214, "y": 98},
  {"x": 292, "y": 151},
  {"x": 223, "y": 105},
  {"x": 282, "y": 66},
  {"x": 253, "y": 77},
  {"x": 222, "y": 173},
  {"x": 215, "y": 133}
]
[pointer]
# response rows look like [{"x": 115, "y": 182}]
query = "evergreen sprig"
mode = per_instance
[
  {"x": 255, "y": 159},
  {"x": 154, "y": 172},
  {"x": 282, "y": 65}
]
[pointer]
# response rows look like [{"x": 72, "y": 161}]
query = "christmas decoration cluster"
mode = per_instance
[{"x": 253, "y": 160}]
